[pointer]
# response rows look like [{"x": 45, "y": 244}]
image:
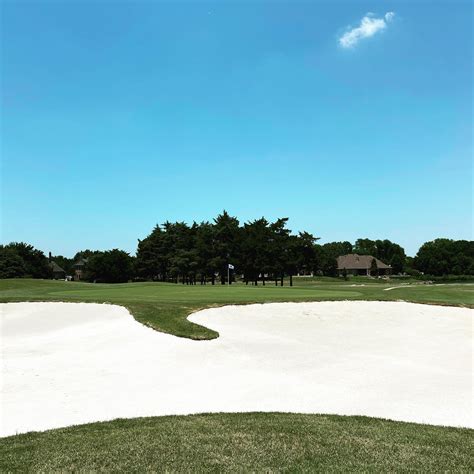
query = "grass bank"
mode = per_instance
[
  {"x": 165, "y": 307},
  {"x": 262, "y": 442}
]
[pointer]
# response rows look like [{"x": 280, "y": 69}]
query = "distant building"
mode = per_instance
[
  {"x": 354, "y": 264},
  {"x": 79, "y": 269},
  {"x": 57, "y": 272}
]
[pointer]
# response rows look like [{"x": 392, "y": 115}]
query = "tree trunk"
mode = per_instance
[
  {"x": 281, "y": 279},
  {"x": 291, "y": 279}
]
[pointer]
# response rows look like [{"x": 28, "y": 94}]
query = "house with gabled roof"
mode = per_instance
[
  {"x": 57, "y": 272},
  {"x": 354, "y": 264}
]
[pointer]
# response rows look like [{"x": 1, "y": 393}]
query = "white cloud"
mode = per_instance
[{"x": 369, "y": 26}]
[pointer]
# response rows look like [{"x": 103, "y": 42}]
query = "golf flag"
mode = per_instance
[{"x": 231, "y": 267}]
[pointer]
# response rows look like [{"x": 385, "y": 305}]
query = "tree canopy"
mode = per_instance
[
  {"x": 259, "y": 250},
  {"x": 111, "y": 266},
  {"x": 446, "y": 257},
  {"x": 23, "y": 260}
]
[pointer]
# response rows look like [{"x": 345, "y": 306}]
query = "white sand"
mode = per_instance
[{"x": 66, "y": 363}]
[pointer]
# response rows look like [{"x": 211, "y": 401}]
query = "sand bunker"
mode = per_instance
[{"x": 66, "y": 363}]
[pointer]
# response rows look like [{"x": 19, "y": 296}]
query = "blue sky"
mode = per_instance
[{"x": 119, "y": 115}]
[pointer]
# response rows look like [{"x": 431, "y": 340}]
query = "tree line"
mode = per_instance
[{"x": 258, "y": 251}]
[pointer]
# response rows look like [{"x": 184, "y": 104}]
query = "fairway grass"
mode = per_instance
[
  {"x": 263, "y": 442},
  {"x": 165, "y": 306}
]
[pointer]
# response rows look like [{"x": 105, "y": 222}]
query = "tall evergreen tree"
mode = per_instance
[{"x": 227, "y": 240}]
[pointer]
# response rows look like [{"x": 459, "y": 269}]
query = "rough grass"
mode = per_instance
[
  {"x": 262, "y": 442},
  {"x": 165, "y": 307}
]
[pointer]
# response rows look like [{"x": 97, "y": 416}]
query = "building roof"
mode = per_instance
[
  {"x": 353, "y": 261},
  {"x": 80, "y": 263},
  {"x": 55, "y": 267}
]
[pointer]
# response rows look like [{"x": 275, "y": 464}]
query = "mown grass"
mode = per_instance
[
  {"x": 243, "y": 442},
  {"x": 165, "y": 307}
]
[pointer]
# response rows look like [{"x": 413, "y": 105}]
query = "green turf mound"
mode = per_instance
[{"x": 260, "y": 442}]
